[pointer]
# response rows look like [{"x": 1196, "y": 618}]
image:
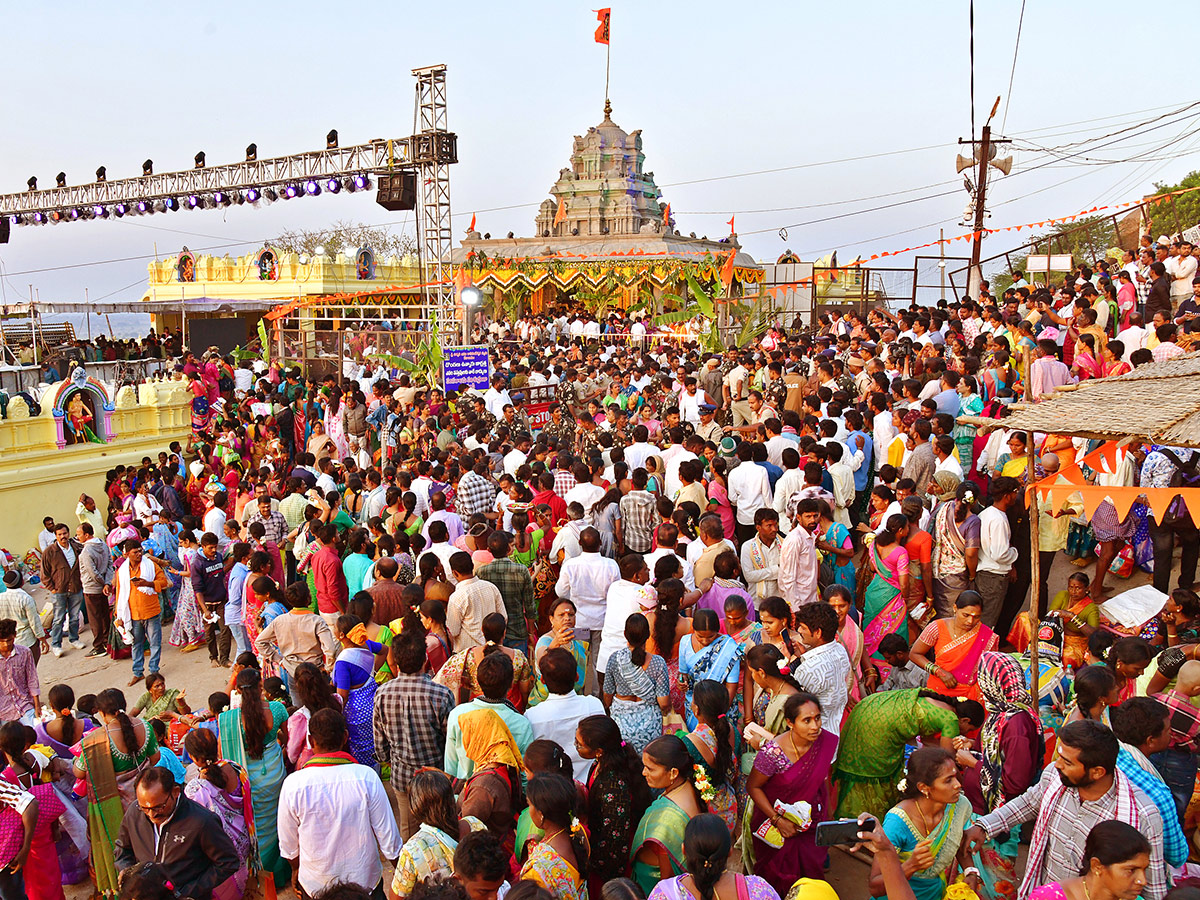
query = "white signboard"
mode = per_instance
[{"x": 1040, "y": 262}]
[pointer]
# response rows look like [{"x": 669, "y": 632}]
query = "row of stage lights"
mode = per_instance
[{"x": 215, "y": 200}]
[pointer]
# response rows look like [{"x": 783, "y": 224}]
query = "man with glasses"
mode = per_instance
[{"x": 181, "y": 836}]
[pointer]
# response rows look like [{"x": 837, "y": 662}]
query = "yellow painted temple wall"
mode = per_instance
[{"x": 38, "y": 478}]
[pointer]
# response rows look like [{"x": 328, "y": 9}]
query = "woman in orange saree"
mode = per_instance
[{"x": 956, "y": 643}]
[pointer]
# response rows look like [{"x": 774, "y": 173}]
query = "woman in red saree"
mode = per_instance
[
  {"x": 1088, "y": 362},
  {"x": 956, "y": 643},
  {"x": 1113, "y": 364}
]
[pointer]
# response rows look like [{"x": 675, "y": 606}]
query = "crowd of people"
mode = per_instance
[{"x": 646, "y": 650}]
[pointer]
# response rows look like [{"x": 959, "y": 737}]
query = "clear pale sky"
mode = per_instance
[{"x": 717, "y": 91}]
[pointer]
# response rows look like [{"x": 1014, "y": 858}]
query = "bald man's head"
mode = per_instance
[{"x": 1188, "y": 680}]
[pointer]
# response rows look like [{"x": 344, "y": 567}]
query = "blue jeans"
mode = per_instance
[
  {"x": 1178, "y": 770},
  {"x": 66, "y": 606},
  {"x": 240, "y": 638},
  {"x": 146, "y": 630}
]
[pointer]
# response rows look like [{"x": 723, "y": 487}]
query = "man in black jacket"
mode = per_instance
[
  {"x": 182, "y": 837},
  {"x": 1159, "y": 298}
]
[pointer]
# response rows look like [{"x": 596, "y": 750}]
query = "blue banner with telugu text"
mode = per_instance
[{"x": 465, "y": 365}]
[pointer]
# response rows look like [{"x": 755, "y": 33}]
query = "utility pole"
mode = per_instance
[{"x": 984, "y": 152}]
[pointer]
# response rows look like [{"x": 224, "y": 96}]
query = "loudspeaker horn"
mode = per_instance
[
  {"x": 962, "y": 163},
  {"x": 1004, "y": 164}
]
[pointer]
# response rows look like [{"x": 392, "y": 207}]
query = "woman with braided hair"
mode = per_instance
[
  {"x": 706, "y": 847},
  {"x": 559, "y": 863},
  {"x": 710, "y": 744},
  {"x": 223, "y": 788}
]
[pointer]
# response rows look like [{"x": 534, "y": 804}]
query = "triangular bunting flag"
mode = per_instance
[
  {"x": 1122, "y": 499},
  {"x": 1159, "y": 500}
]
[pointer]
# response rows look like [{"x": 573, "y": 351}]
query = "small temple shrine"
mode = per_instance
[
  {"x": 604, "y": 237},
  {"x": 58, "y": 442}
]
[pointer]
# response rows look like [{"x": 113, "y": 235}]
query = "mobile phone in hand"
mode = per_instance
[{"x": 842, "y": 831}]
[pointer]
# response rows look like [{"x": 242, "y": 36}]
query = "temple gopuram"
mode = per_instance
[{"x": 603, "y": 240}]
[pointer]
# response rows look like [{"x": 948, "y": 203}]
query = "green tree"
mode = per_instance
[{"x": 346, "y": 236}]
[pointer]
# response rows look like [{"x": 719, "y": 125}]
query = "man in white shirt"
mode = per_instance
[
  {"x": 1181, "y": 269},
  {"x": 496, "y": 397},
  {"x": 214, "y": 519},
  {"x": 640, "y": 450},
  {"x": 585, "y": 581},
  {"x": 557, "y": 717},
  {"x": 325, "y": 481},
  {"x": 943, "y": 451},
  {"x": 625, "y": 597},
  {"x": 516, "y": 457},
  {"x": 675, "y": 455},
  {"x": 798, "y": 558},
  {"x": 585, "y": 493},
  {"x": 996, "y": 552},
  {"x": 882, "y": 428},
  {"x": 335, "y": 822},
  {"x": 749, "y": 490},
  {"x": 1134, "y": 337},
  {"x": 760, "y": 556},
  {"x": 824, "y": 667}
]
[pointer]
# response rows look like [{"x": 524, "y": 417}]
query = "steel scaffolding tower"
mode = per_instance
[{"x": 434, "y": 148}]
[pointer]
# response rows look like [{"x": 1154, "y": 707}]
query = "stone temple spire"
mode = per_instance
[{"x": 605, "y": 190}]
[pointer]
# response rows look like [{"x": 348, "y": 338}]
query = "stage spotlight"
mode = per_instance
[
  {"x": 237, "y": 198},
  {"x": 193, "y": 201},
  {"x": 312, "y": 188},
  {"x": 120, "y": 209},
  {"x": 252, "y": 195},
  {"x": 220, "y": 198},
  {"x": 331, "y": 140},
  {"x": 333, "y": 185},
  {"x": 148, "y": 167},
  {"x": 170, "y": 204},
  {"x": 32, "y": 182},
  {"x": 270, "y": 195},
  {"x": 18, "y": 219},
  {"x": 251, "y": 152},
  {"x": 76, "y": 214},
  {"x": 144, "y": 207},
  {"x": 99, "y": 212},
  {"x": 200, "y": 160},
  {"x": 58, "y": 215},
  {"x": 39, "y": 218},
  {"x": 60, "y": 180},
  {"x": 102, "y": 174},
  {"x": 361, "y": 182},
  {"x": 291, "y": 191}
]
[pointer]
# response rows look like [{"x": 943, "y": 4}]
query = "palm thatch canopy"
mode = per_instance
[{"x": 1157, "y": 402}]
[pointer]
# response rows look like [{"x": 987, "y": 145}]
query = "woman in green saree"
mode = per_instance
[
  {"x": 113, "y": 757},
  {"x": 886, "y": 611},
  {"x": 658, "y": 842},
  {"x": 160, "y": 703},
  {"x": 871, "y": 749},
  {"x": 249, "y": 738},
  {"x": 927, "y": 825}
]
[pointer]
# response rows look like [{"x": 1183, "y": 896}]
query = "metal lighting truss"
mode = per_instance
[
  {"x": 428, "y": 154},
  {"x": 434, "y": 148},
  {"x": 377, "y": 157}
]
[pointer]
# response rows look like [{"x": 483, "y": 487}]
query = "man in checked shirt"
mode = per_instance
[{"x": 409, "y": 723}]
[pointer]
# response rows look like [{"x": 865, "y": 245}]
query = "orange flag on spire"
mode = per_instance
[
  {"x": 667, "y": 216},
  {"x": 561, "y": 214},
  {"x": 731, "y": 228},
  {"x": 472, "y": 228},
  {"x": 603, "y": 15}
]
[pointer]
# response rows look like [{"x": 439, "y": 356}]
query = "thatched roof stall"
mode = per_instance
[{"x": 1157, "y": 402}]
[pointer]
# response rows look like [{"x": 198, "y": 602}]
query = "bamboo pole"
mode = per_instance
[{"x": 1035, "y": 613}]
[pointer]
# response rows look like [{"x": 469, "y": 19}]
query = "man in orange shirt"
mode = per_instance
[{"x": 138, "y": 584}]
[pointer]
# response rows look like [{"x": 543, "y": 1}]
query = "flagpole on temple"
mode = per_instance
[{"x": 604, "y": 17}]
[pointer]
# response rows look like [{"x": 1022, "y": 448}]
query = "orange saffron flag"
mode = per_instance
[
  {"x": 727, "y": 270},
  {"x": 667, "y": 216},
  {"x": 731, "y": 228},
  {"x": 472, "y": 228},
  {"x": 561, "y": 214},
  {"x": 603, "y": 15}
]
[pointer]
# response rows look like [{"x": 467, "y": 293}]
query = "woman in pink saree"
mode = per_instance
[
  {"x": 885, "y": 610},
  {"x": 950, "y": 649},
  {"x": 1088, "y": 363},
  {"x": 861, "y": 680}
]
